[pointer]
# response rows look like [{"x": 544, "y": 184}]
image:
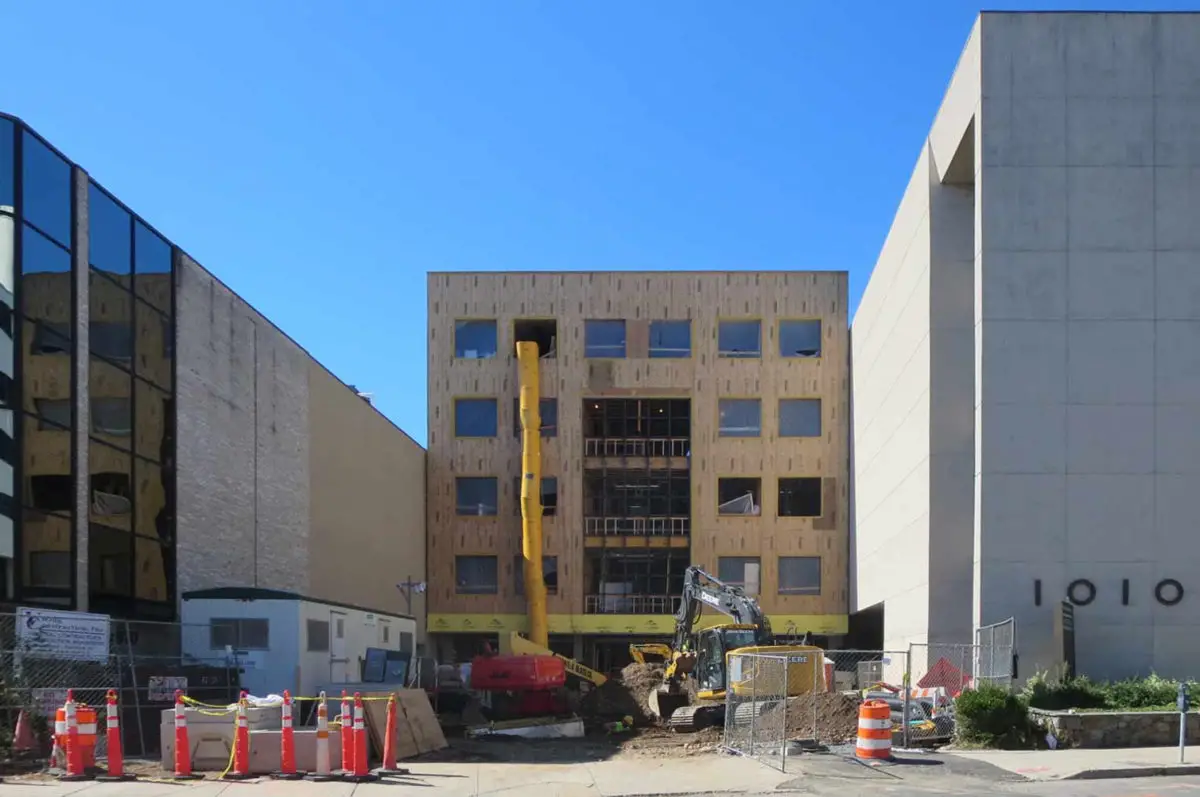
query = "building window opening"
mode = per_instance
[
  {"x": 799, "y": 417},
  {"x": 739, "y": 496},
  {"x": 111, "y": 494},
  {"x": 626, "y": 582},
  {"x": 475, "y": 417},
  {"x": 800, "y": 338},
  {"x": 317, "y": 633},
  {"x": 547, "y": 417},
  {"x": 740, "y": 417},
  {"x": 800, "y": 497},
  {"x": 50, "y": 569},
  {"x": 475, "y": 495},
  {"x": 542, "y": 331},
  {"x": 549, "y": 495},
  {"x": 475, "y": 339},
  {"x": 739, "y": 338},
  {"x": 637, "y": 493},
  {"x": 604, "y": 338},
  {"x": 799, "y": 575},
  {"x": 549, "y": 574},
  {"x": 475, "y": 575},
  {"x": 52, "y": 492},
  {"x": 740, "y": 571},
  {"x": 670, "y": 339},
  {"x": 239, "y": 633},
  {"x": 637, "y": 427}
]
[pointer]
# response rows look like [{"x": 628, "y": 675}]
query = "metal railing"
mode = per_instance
[
  {"x": 637, "y": 526},
  {"x": 631, "y": 604},
  {"x": 636, "y": 447}
]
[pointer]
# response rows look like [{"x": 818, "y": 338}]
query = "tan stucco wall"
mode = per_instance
[{"x": 367, "y": 502}]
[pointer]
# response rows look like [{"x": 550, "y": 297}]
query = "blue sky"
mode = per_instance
[{"x": 321, "y": 157}]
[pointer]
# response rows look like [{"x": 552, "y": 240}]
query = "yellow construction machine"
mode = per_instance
[{"x": 708, "y": 658}]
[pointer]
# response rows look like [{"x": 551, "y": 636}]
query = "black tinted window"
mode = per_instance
[
  {"x": 109, "y": 233},
  {"x": 46, "y": 190}
]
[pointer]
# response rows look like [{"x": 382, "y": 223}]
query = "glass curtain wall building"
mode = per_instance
[{"x": 87, "y": 368}]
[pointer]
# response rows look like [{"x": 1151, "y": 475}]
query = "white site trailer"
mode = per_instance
[{"x": 281, "y": 640}]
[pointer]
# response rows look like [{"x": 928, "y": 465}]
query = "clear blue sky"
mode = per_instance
[{"x": 321, "y": 157}]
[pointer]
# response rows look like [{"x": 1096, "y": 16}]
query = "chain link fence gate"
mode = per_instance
[
  {"x": 997, "y": 643},
  {"x": 144, "y": 663},
  {"x": 756, "y": 723}
]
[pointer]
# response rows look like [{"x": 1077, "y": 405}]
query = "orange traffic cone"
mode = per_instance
[
  {"x": 23, "y": 741},
  {"x": 287, "y": 740},
  {"x": 389, "y": 742},
  {"x": 360, "y": 772},
  {"x": 116, "y": 758}
]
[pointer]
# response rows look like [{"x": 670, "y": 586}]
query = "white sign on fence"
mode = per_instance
[
  {"x": 162, "y": 687},
  {"x": 46, "y": 633}
]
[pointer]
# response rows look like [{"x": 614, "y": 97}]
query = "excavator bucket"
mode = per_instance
[{"x": 663, "y": 703}]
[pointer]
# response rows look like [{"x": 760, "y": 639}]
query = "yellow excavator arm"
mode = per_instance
[{"x": 538, "y": 643}]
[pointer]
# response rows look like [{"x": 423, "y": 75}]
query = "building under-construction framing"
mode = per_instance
[{"x": 686, "y": 418}]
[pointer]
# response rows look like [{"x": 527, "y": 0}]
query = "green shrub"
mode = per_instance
[
  {"x": 1133, "y": 694},
  {"x": 1143, "y": 693},
  {"x": 993, "y": 717},
  {"x": 1051, "y": 694}
]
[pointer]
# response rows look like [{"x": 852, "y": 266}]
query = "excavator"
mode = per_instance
[{"x": 703, "y": 657}]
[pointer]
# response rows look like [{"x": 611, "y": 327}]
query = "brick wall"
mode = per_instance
[{"x": 242, "y": 424}]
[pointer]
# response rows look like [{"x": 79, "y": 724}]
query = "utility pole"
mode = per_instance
[{"x": 408, "y": 588}]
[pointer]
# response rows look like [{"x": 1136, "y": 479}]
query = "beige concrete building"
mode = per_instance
[
  {"x": 687, "y": 417},
  {"x": 168, "y": 438}
]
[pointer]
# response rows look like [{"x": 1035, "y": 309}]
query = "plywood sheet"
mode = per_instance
[
  {"x": 375, "y": 713},
  {"x": 419, "y": 716},
  {"x": 704, "y": 298}
]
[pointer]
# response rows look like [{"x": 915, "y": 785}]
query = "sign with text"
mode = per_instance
[
  {"x": 51, "y": 634},
  {"x": 162, "y": 687}
]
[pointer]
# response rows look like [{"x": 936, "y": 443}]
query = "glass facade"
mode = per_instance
[{"x": 123, "y": 376}]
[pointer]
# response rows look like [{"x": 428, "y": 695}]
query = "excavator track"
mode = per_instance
[{"x": 689, "y": 719}]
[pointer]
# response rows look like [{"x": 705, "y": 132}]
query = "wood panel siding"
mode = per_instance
[{"x": 704, "y": 298}]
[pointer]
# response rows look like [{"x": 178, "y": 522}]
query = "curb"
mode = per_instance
[{"x": 1170, "y": 770}]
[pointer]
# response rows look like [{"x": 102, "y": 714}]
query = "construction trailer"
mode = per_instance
[{"x": 282, "y": 640}]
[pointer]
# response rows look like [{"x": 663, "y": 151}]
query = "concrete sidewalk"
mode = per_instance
[
  {"x": 707, "y": 774},
  {"x": 1134, "y": 762}
]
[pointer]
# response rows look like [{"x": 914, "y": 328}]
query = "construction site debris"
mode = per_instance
[
  {"x": 625, "y": 696},
  {"x": 828, "y": 717}
]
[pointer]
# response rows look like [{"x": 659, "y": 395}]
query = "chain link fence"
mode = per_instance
[
  {"x": 756, "y": 716},
  {"x": 782, "y": 703},
  {"x": 997, "y": 661},
  {"x": 143, "y": 661}
]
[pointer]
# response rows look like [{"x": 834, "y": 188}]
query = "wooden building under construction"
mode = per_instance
[{"x": 686, "y": 417}]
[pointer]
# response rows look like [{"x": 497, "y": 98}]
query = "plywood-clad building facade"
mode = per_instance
[{"x": 687, "y": 417}]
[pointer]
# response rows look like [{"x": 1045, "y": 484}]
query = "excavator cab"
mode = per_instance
[{"x": 712, "y": 646}]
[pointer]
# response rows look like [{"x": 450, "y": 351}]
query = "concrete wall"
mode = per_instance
[
  {"x": 913, "y": 392},
  {"x": 287, "y": 478},
  {"x": 1089, "y": 330},
  {"x": 242, "y": 420},
  {"x": 368, "y": 485}
]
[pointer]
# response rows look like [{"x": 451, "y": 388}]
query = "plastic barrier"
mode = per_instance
[{"x": 874, "y": 731}]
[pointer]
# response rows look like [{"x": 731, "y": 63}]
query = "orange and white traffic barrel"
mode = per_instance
[{"x": 874, "y": 731}]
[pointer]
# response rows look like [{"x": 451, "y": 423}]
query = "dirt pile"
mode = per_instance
[
  {"x": 625, "y": 696},
  {"x": 830, "y": 718}
]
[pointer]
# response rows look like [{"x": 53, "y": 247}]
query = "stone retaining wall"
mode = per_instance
[{"x": 1116, "y": 728}]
